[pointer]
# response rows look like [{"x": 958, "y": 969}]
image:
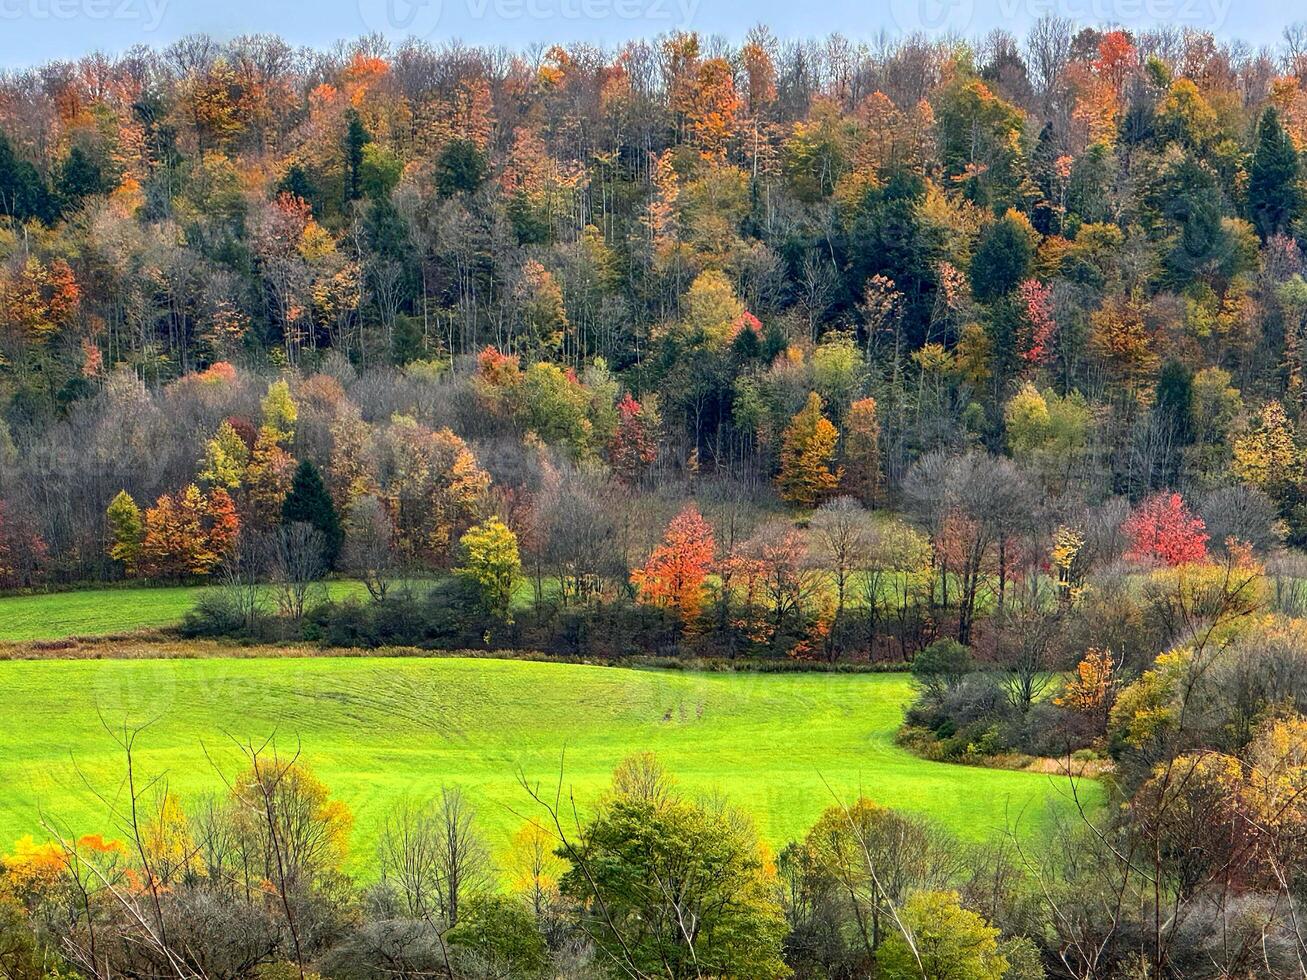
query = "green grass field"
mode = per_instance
[
  {"x": 376, "y": 729},
  {"x": 100, "y": 612}
]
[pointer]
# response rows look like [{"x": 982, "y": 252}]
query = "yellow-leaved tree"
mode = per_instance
[
  {"x": 808, "y": 472},
  {"x": 492, "y": 561},
  {"x": 1268, "y": 453}
]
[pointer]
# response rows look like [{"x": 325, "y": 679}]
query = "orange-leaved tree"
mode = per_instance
[
  {"x": 676, "y": 573},
  {"x": 188, "y": 534},
  {"x": 862, "y": 452}
]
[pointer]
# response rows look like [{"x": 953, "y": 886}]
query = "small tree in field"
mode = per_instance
[
  {"x": 492, "y": 561},
  {"x": 808, "y": 475},
  {"x": 676, "y": 572},
  {"x": 1162, "y": 529},
  {"x": 369, "y": 551}
]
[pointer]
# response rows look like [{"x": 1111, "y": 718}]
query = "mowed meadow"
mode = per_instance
[
  {"x": 101, "y": 612},
  {"x": 782, "y": 746}
]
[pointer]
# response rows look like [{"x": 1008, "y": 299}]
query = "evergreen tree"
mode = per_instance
[
  {"x": 461, "y": 167},
  {"x": 1174, "y": 404},
  {"x": 298, "y": 183},
  {"x": 308, "y": 502},
  {"x": 356, "y": 137},
  {"x": 1002, "y": 260},
  {"x": 1173, "y": 409},
  {"x": 23, "y": 194},
  {"x": 1273, "y": 194},
  {"x": 78, "y": 179}
]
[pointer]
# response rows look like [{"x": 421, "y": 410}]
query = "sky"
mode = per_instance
[{"x": 34, "y": 31}]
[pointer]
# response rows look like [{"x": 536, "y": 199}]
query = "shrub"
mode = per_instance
[{"x": 940, "y": 667}]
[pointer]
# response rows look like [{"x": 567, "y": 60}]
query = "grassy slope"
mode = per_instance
[
  {"x": 376, "y": 729},
  {"x": 98, "y": 612}
]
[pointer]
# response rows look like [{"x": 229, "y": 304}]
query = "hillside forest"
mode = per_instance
[{"x": 984, "y": 359}]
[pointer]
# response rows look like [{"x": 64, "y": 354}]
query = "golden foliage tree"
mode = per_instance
[{"x": 808, "y": 472}]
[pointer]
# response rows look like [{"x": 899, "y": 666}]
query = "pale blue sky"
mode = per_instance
[{"x": 32, "y": 31}]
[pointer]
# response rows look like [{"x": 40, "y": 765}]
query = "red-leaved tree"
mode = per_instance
[
  {"x": 633, "y": 447},
  {"x": 1162, "y": 529},
  {"x": 1037, "y": 303}
]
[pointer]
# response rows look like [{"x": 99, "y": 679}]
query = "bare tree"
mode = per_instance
[
  {"x": 298, "y": 567},
  {"x": 841, "y": 531},
  {"x": 1028, "y": 630},
  {"x": 369, "y": 551},
  {"x": 241, "y": 581},
  {"x": 407, "y": 857},
  {"x": 1048, "y": 48},
  {"x": 462, "y": 859}
]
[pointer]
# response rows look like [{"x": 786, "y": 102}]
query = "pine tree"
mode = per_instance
[
  {"x": 1274, "y": 197},
  {"x": 309, "y": 503},
  {"x": 356, "y": 137}
]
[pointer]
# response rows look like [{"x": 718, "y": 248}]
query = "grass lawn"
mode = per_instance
[
  {"x": 99, "y": 612},
  {"x": 376, "y": 729}
]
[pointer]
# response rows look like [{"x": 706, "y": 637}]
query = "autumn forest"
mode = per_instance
[{"x": 977, "y": 362}]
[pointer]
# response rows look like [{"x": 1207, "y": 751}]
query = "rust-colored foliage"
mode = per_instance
[{"x": 676, "y": 573}]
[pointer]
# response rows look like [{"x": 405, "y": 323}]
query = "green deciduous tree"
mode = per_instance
[
  {"x": 674, "y": 888},
  {"x": 947, "y": 942},
  {"x": 1002, "y": 260},
  {"x": 126, "y": 531},
  {"x": 226, "y": 458}
]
